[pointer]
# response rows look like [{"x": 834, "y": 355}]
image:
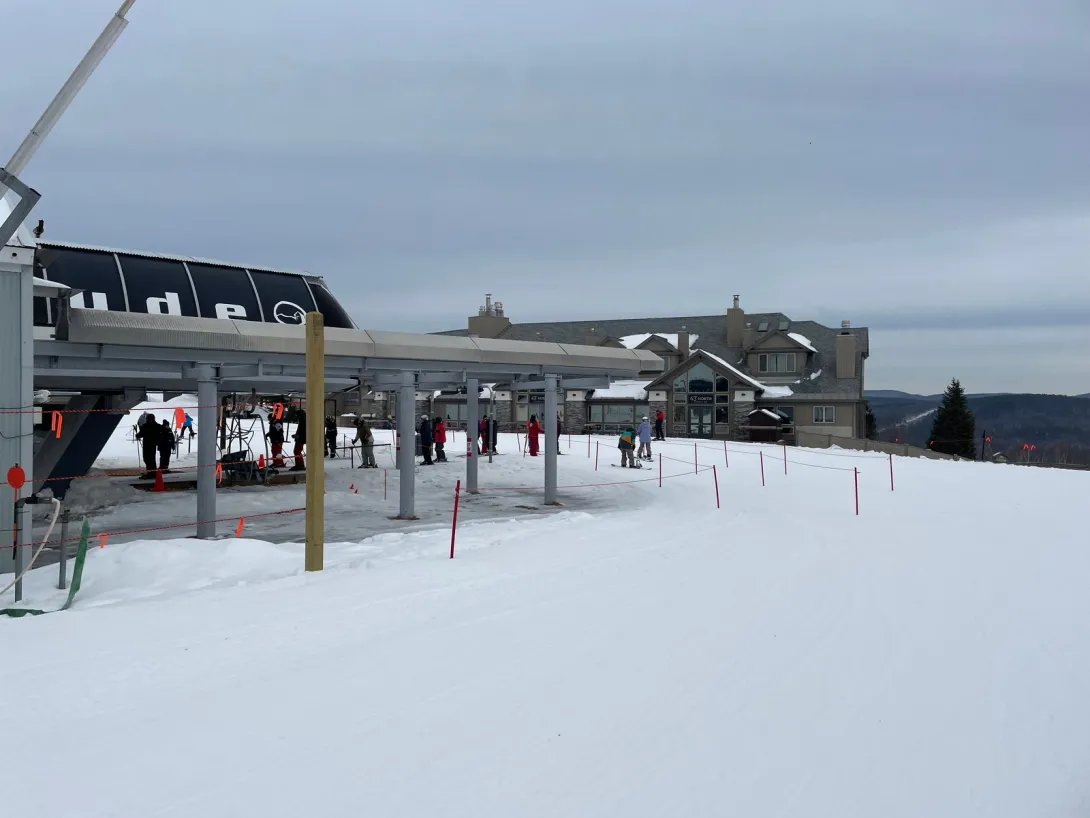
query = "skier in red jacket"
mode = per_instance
[
  {"x": 533, "y": 429},
  {"x": 439, "y": 432}
]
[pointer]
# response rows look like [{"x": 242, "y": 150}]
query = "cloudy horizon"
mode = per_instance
[{"x": 913, "y": 167}]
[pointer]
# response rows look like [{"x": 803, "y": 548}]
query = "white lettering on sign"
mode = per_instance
[
  {"x": 230, "y": 311},
  {"x": 98, "y": 301},
  {"x": 170, "y": 305}
]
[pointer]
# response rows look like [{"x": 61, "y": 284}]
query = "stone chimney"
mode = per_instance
[
  {"x": 489, "y": 322},
  {"x": 683, "y": 344},
  {"x": 736, "y": 326},
  {"x": 846, "y": 352}
]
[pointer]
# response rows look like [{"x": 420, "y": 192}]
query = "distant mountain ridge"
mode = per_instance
[
  {"x": 1057, "y": 427},
  {"x": 898, "y": 394}
]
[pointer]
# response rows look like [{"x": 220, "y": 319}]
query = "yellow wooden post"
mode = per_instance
[{"x": 315, "y": 524}]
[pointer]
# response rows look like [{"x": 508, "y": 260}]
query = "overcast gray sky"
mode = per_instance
[{"x": 916, "y": 166}]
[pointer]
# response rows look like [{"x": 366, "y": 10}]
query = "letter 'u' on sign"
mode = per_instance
[
  {"x": 230, "y": 311},
  {"x": 98, "y": 301},
  {"x": 170, "y": 305}
]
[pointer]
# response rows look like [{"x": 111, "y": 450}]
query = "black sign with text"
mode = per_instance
[{"x": 160, "y": 286}]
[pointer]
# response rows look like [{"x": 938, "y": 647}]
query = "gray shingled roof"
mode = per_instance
[{"x": 712, "y": 330}]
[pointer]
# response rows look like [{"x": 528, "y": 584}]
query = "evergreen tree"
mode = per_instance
[
  {"x": 872, "y": 425},
  {"x": 954, "y": 428}
]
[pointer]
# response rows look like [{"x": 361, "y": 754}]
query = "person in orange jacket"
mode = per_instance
[{"x": 533, "y": 429}]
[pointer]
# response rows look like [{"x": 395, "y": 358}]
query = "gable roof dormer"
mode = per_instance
[{"x": 785, "y": 340}]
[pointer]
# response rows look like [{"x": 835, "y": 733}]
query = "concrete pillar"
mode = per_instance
[
  {"x": 207, "y": 422},
  {"x": 406, "y": 429},
  {"x": 473, "y": 407},
  {"x": 16, "y": 390},
  {"x": 551, "y": 443}
]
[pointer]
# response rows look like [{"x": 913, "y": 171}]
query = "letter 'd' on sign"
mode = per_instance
[{"x": 169, "y": 305}]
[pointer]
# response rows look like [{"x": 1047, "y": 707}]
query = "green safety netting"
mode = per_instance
[{"x": 73, "y": 589}]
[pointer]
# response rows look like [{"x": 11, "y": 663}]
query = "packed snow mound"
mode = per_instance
[{"x": 656, "y": 655}]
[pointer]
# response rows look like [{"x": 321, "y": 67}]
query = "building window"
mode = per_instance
[
  {"x": 522, "y": 412},
  {"x": 775, "y": 362},
  {"x": 679, "y": 414},
  {"x": 824, "y": 414},
  {"x": 701, "y": 378},
  {"x": 722, "y": 415},
  {"x": 787, "y": 412},
  {"x": 721, "y": 384},
  {"x": 681, "y": 383}
]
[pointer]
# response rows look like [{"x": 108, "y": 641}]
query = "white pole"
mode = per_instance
[{"x": 69, "y": 90}]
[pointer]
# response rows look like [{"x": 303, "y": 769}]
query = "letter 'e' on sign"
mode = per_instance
[{"x": 230, "y": 311}]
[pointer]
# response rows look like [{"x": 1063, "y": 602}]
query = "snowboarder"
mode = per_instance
[
  {"x": 187, "y": 425},
  {"x": 427, "y": 438},
  {"x": 533, "y": 429},
  {"x": 439, "y": 431},
  {"x": 300, "y": 438},
  {"x": 644, "y": 432},
  {"x": 367, "y": 443},
  {"x": 330, "y": 436},
  {"x": 165, "y": 445},
  {"x": 660, "y": 422},
  {"x": 275, "y": 436},
  {"x": 148, "y": 432},
  {"x": 627, "y": 445}
]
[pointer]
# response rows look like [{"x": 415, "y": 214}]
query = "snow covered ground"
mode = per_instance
[{"x": 637, "y": 652}]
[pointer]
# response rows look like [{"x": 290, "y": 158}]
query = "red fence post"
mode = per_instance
[
  {"x": 715, "y": 477},
  {"x": 696, "y": 465},
  {"x": 454, "y": 521},
  {"x": 785, "y": 458},
  {"x": 891, "y": 471},
  {"x": 856, "y": 470},
  {"x": 726, "y": 459},
  {"x": 660, "y": 470},
  {"x": 596, "y": 455},
  {"x": 588, "y": 444},
  {"x": 384, "y": 484},
  {"x": 762, "y": 466}
]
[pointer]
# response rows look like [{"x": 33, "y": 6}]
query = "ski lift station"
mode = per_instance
[{"x": 102, "y": 327}]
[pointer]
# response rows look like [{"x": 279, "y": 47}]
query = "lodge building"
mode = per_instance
[{"x": 761, "y": 377}]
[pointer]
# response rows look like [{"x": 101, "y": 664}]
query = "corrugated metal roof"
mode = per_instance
[{"x": 67, "y": 245}]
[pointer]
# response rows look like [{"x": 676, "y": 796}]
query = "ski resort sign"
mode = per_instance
[{"x": 156, "y": 285}]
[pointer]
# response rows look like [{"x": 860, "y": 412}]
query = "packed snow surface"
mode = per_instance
[{"x": 636, "y": 652}]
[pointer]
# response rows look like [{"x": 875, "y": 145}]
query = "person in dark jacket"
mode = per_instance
[
  {"x": 300, "y": 438},
  {"x": 660, "y": 422},
  {"x": 439, "y": 430},
  {"x": 276, "y": 442},
  {"x": 330, "y": 436},
  {"x": 427, "y": 438},
  {"x": 148, "y": 433},
  {"x": 165, "y": 445}
]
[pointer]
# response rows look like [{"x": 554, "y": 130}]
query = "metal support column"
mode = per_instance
[
  {"x": 551, "y": 442},
  {"x": 472, "y": 420},
  {"x": 62, "y": 576},
  {"x": 16, "y": 393},
  {"x": 406, "y": 429},
  {"x": 207, "y": 406}
]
